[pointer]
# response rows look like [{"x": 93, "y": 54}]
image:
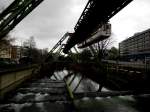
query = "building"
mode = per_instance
[
  {"x": 5, "y": 52},
  {"x": 16, "y": 53},
  {"x": 11, "y": 52},
  {"x": 136, "y": 47}
]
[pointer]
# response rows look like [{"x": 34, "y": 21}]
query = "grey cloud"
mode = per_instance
[
  {"x": 50, "y": 20},
  {"x": 132, "y": 19},
  {"x": 4, "y": 4}
]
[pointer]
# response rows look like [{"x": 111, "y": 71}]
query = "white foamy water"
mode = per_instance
[
  {"x": 18, "y": 107},
  {"x": 39, "y": 96}
]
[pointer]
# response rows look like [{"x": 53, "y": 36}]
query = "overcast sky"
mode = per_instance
[{"x": 53, "y": 18}]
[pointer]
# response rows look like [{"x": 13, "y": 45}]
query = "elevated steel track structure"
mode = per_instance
[
  {"x": 95, "y": 14},
  {"x": 15, "y": 13}
]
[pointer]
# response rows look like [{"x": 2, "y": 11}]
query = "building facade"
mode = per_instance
[
  {"x": 16, "y": 52},
  {"x": 5, "y": 52},
  {"x": 136, "y": 47},
  {"x": 11, "y": 52}
]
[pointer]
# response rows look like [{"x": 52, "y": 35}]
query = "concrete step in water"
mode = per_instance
[
  {"x": 36, "y": 98},
  {"x": 43, "y": 90},
  {"x": 46, "y": 81},
  {"x": 47, "y": 85},
  {"x": 37, "y": 107},
  {"x": 43, "y": 95}
]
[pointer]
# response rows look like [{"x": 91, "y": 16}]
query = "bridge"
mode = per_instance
[{"x": 42, "y": 85}]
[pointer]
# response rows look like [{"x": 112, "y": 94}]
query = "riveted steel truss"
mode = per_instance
[
  {"x": 60, "y": 42},
  {"x": 13, "y": 14}
]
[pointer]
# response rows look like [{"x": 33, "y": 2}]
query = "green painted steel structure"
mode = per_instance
[{"x": 13, "y": 14}]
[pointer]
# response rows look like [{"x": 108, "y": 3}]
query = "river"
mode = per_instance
[
  {"x": 98, "y": 104},
  {"x": 107, "y": 104}
]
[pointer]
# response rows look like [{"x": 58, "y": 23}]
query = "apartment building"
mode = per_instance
[{"x": 136, "y": 47}]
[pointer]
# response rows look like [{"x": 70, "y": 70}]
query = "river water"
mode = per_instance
[
  {"x": 114, "y": 104},
  {"x": 107, "y": 104},
  {"x": 98, "y": 104}
]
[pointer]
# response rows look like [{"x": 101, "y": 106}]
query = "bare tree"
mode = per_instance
[
  {"x": 101, "y": 49},
  {"x": 5, "y": 43},
  {"x": 30, "y": 43},
  {"x": 32, "y": 53},
  {"x": 102, "y": 46}
]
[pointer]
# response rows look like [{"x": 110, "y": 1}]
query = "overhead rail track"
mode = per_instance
[
  {"x": 14, "y": 13},
  {"x": 95, "y": 14},
  {"x": 60, "y": 42},
  {"x": 59, "y": 46}
]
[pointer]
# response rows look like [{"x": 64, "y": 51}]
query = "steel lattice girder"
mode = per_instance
[
  {"x": 60, "y": 42},
  {"x": 96, "y": 13},
  {"x": 12, "y": 15}
]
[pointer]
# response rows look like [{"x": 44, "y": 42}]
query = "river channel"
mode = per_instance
[
  {"x": 129, "y": 103},
  {"x": 98, "y": 104}
]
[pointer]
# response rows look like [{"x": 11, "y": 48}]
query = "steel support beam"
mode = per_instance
[
  {"x": 95, "y": 14},
  {"x": 72, "y": 80},
  {"x": 60, "y": 42},
  {"x": 92, "y": 50},
  {"x": 15, "y": 12}
]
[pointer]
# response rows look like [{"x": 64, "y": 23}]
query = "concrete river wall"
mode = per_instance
[{"x": 10, "y": 79}]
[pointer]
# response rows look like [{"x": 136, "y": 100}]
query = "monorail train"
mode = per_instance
[{"x": 101, "y": 34}]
